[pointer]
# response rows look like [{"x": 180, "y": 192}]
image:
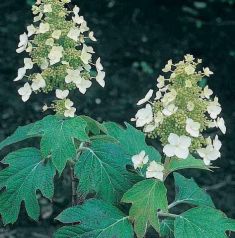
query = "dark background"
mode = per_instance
[{"x": 135, "y": 39}]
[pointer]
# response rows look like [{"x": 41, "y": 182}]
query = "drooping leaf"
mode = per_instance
[
  {"x": 203, "y": 222},
  {"x": 101, "y": 168},
  {"x": 175, "y": 164},
  {"x": 58, "y": 138},
  {"x": 97, "y": 220},
  {"x": 187, "y": 191},
  {"x": 132, "y": 140},
  {"x": 167, "y": 228},
  {"x": 146, "y": 197},
  {"x": 94, "y": 126},
  {"x": 21, "y": 133},
  {"x": 26, "y": 174}
]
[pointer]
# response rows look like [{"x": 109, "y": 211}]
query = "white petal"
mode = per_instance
[
  {"x": 173, "y": 139},
  {"x": 146, "y": 98},
  {"x": 100, "y": 78},
  {"x": 181, "y": 153},
  {"x": 169, "y": 150}
]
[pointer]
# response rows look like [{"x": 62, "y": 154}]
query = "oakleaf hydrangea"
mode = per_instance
[
  {"x": 60, "y": 58},
  {"x": 181, "y": 113}
]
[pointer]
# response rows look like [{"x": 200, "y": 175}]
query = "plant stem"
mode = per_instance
[
  {"x": 74, "y": 186},
  {"x": 162, "y": 214},
  {"x": 173, "y": 205}
]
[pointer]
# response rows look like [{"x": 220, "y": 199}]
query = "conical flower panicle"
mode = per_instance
[
  {"x": 181, "y": 112},
  {"x": 60, "y": 57}
]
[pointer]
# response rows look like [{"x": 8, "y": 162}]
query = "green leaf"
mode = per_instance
[
  {"x": 187, "y": 191},
  {"x": 94, "y": 126},
  {"x": 21, "y": 133},
  {"x": 132, "y": 140},
  {"x": 97, "y": 220},
  {"x": 175, "y": 164},
  {"x": 147, "y": 197},
  {"x": 102, "y": 168},
  {"x": 167, "y": 228},
  {"x": 203, "y": 222},
  {"x": 26, "y": 174},
  {"x": 58, "y": 138}
]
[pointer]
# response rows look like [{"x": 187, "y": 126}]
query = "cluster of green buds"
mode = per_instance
[
  {"x": 182, "y": 111},
  {"x": 59, "y": 57}
]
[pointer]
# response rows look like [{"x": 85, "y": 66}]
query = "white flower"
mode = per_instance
[
  {"x": 29, "y": 48},
  {"x": 207, "y": 72},
  {"x": 62, "y": 94},
  {"x": 21, "y": 74},
  {"x": 43, "y": 28},
  {"x": 73, "y": 76},
  {"x": 168, "y": 66},
  {"x": 31, "y": 30},
  {"x": 169, "y": 110},
  {"x": 38, "y": 82},
  {"x": 157, "y": 121},
  {"x": 83, "y": 27},
  {"x": 100, "y": 78},
  {"x": 28, "y": 63},
  {"x": 50, "y": 42},
  {"x": 25, "y": 92},
  {"x": 44, "y": 64},
  {"x": 23, "y": 43},
  {"x": 56, "y": 34},
  {"x": 140, "y": 159},
  {"x": 161, "y": 81},
  {"x": 146, "y": 98},
  {"x": 214, "y": 108},
  {"x": 55, "y": 54},
  {"x": 189, "y": 69},
  {"x": 98, "y": 65},
  {"x": 70, "y": 110},
  {"x": 158, "y": 95},
  {"x": 211, "y": 152},
  {"x": 155, "y": 170},
  {"x": 85, "y": 55},
  {"x": 44, "y": 108},
  {"x": 178, "y": 146},
  {"x": 188, "y": 83},
  {"x": 190, "y": 106},
  {"x": 76, "y": 10},
  {"x": 78, "y": 19},
  {"x": 192, "y": 127},
  {"x": 91, "y": 36},
  {"x": 169, "y": 97},
  {"x": 74, "y": 34},
  {"x": 47, "y": 8},
  {"x": 83, "y": 84},
  {"x": 189, "y": 58},
  {"x": 219, "y": 123},
  {"x": 207, "y": 92},
  {"x": 38, "y": 18},
  {"x": 144, "y": 116}
]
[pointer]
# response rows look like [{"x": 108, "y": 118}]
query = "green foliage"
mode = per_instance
[
  {"x": 187, "y": 191},
  {"x": 21, "y": 133},
  {"x": 26, "y": 174},
  {"x": 175, "y": 164},
  {"x": 203, "y": 222},
  {"x": 58, "y": 138},
  {"x": 102, "y": 168},
  {"x": 132, "y": 140},
  {"x": 97, "y": 220},
  {"x": 147, "y": 197},
  {"x": 167, "y": 228}
]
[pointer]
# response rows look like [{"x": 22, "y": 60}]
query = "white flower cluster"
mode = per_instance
[
  {"x": 154, "y": 169},
  {"x": 181, "y": 112},
  {"x": 58, "y": 47}
]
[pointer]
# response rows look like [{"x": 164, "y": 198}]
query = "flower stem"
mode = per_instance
[
  {"x": 74, "y": 186},
  {"x": 163, "y": 214}
]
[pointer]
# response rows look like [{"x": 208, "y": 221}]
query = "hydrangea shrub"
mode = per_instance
[{"x": 117, "y": 180}]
